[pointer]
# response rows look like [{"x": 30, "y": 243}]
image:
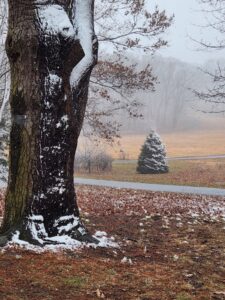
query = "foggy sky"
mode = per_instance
[{"x": 188, "y": 17}]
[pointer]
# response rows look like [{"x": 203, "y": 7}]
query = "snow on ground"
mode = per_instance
[{"x": 63, "y": 243}]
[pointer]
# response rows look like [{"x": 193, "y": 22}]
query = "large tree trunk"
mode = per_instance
[{"x": 50, "y": 65}]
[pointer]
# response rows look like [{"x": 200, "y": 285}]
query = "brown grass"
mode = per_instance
[
  {"x": 178, "y": 144},
  {"x": 210, "y": 173}
]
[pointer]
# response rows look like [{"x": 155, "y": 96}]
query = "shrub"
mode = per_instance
[{"x": 152, "y": 159}]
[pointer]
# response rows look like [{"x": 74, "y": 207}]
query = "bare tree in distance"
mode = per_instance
[
  {"x": 214, "y": 95},
  {"x": 92, "y": 159}
]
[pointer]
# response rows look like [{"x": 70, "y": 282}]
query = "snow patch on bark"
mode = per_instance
[
  {"x": 36, "y": 218},
  {"x": 36, "y": 227},
  {"x": 56, "y": 189},
  {"x": 54, "y": 20},
  {"x": 85, "y": 32},
  {"x": 63, "y": 122},
  {"x": 51, "y": 81},
  {"x": 72, "y": 223}
]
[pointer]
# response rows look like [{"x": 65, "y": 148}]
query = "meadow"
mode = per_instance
[
  {"x": 208, "y": 173},
  {"x": 189, "y": 143}
]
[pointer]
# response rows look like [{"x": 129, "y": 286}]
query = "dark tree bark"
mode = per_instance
[{"x": 50, "y": 70}]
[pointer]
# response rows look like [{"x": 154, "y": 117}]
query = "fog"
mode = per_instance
[
  {"x": 189, "y": 23},
  {"x": 173, "y": 106}
]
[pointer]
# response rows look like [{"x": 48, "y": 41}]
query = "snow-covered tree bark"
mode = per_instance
[{"x": 52, "y": 49}]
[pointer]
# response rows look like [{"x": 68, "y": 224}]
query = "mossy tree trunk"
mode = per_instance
[{"x": 47, "y": 108}]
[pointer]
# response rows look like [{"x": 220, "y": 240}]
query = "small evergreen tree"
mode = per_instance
[{"x": 152, "y": 159}]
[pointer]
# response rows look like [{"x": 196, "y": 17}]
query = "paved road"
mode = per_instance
[
  {"x": 197, "y": 157},
  {"x": 148, "y": 187},
  {"x": 152, "y": 187}
]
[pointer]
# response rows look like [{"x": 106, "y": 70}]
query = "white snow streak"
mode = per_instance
[
  {"x": 54, "y": 20},
  {"x": 36, "y": 218},
  {"x": 51, "y": 81},
  {"x": 72, "y": 223},
  {"x": 85, "y": 31},
  {"x": 64, "y": 121},
  {"x": 64, "y": 243},
  {"x": 36, "y": 226}
]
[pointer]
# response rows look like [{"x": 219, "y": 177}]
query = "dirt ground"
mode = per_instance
[{"x": 171, "y": 247}]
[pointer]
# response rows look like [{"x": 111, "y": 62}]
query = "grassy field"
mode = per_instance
[
  {"x": 178, "y": 144},
  {"x": 210, "y": 173}
]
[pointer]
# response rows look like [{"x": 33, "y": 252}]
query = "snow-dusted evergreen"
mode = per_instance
[{"x": 152, "y": 159}]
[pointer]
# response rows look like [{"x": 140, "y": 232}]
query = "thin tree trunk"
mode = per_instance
[{"x": 47, "y": 108}]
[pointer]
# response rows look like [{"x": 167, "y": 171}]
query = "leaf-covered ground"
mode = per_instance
[{"x": 171, "y": 247}]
